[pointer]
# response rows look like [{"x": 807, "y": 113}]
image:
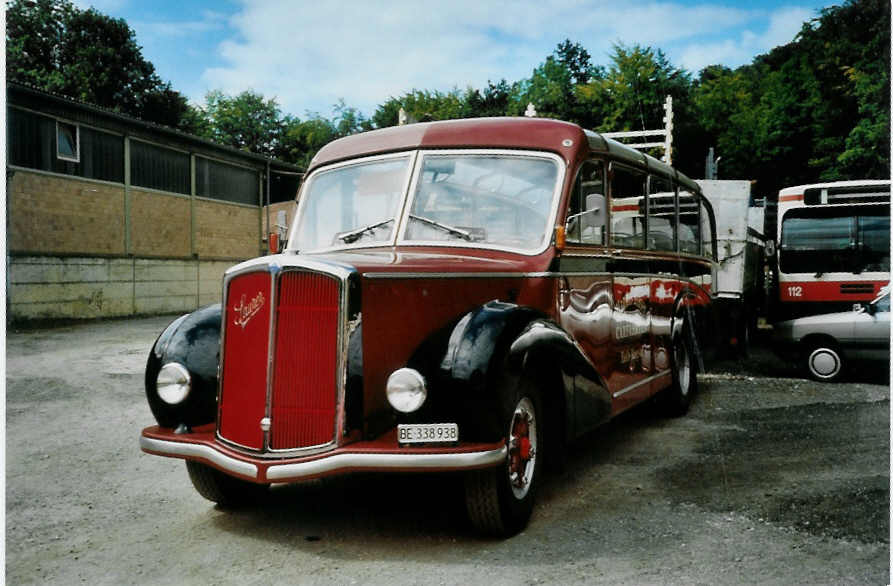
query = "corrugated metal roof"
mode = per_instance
[{"x": 96, "y": 114}]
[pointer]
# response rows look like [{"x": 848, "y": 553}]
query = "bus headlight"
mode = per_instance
[
  {"x": 173, "y": 383},
  {"x": 406, "y": 390}
]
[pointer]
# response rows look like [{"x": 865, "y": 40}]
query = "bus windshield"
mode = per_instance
[
  {"x": 501, "y": 200},
  {"x": 356, "y": 203},
  {"x": 835, "y": 240},
  {"x": 479, "y": 199}
]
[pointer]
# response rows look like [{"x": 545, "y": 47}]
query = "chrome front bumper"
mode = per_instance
[{"x": 379, "y": 455}]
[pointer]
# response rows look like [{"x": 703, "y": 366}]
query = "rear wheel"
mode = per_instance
[
  {"x": 500, "y": 500},
  {"x": 685, "y": 381},
  {"x": 221, "y": 488},
  {"x": 823, "y": 361}
]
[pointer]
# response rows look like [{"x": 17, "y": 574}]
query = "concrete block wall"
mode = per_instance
[
  {"x": 69, "y": 256},
  {"x": 45, "y": 287},
  {"x": 224, "y": 230},
  {"x": 210, "y": 281},
  {"x": 65, "y": 215},
  {"x": 161, "y": 224}
]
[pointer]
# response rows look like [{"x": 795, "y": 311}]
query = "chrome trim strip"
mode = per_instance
[
  {"x": 198, "y": 451},
  {"x": 275, "y": 274},
  {"x": 455, "y": 275},
  {"x": 387, "y": 461},
  {"x": 535, "y": 274},
  {"x": 635, "y": 386}
]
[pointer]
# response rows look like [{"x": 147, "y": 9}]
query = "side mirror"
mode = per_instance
[
  {"x": 596, "y": 206},
  {"x": 276, "y": 239},
  {"x": 275, "y": 244},
  {"x": 868, "y": 308}
]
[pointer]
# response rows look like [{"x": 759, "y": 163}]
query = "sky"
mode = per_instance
[{"x": 311, "y": 54}]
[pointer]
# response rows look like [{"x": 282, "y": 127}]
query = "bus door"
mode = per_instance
[
  {"x": 585, "y": 299},
  {"x": 665, "y": 282},
  {"x": 632, "y": 348}
]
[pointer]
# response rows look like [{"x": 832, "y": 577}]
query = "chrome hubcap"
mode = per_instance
[
  {"x": 522, "y": 448},
  {"x": 683, "y": 367},
  {"x": 824, "y": 362}
]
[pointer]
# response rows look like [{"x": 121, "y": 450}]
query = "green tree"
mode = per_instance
[
  {"x": 348, "y": 120},
  {"x": 246, "y": 121},
  {"x": 577, "y": 60},
  {"x": 815, "y": 109},
  {"x": 550, "y": 89},
  {"x": 301, "y": 139},
  {"x": 421, "y": 105},
  {"x": 727, "y": 106},
  {"x": 637, "y": 83},
  {"x": 86, "y": 55},
  {"x": 495, "y": 100}
]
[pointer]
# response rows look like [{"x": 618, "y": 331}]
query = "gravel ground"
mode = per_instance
[{"x": 770, "y": 479}]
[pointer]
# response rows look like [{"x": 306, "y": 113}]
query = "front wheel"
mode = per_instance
[
  {"x": 500, "y": 500},
  {"x": 221, "y": 488}
]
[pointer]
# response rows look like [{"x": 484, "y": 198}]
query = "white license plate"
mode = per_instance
[{"x": 424, "y": 433}]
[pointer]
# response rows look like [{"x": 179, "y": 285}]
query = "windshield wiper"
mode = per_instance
[
  {"x": 463, "y": 234},
  {"x": 354, "y": 235}
]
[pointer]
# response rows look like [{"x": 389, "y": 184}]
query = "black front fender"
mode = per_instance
[
  {"x": 192, "y": 340},
  {"x": 487, "y": 351}
]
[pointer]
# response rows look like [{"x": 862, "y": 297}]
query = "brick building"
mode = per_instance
[{"x": 109, "y": 216}]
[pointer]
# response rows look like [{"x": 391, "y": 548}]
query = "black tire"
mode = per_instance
[
  {"x": 221, "y": 488},
  {"x": 500, "y": 500},
  {"x": 678, "y": 397},
  {"x": 823, "y": 361},
  {"x": 744, "y": 338}
]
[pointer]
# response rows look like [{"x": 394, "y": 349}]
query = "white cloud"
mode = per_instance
[
  {"x": 783, "y": 25},
  {"x": 309, "y": 55},
  {"x": 209, "y": 21},
  {"x": 104, "y": 6}
]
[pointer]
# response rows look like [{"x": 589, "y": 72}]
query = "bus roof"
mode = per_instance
[
  {"x": 799, "y": 189},
  {"x": 566, "y": 139}
]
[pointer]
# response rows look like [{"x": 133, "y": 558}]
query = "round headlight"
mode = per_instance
[
  {"x": 173, "y": 383},
  {"x": 406, "y": 390}
]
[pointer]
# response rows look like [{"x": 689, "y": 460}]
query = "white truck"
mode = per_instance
[{"x": 739, "y": 284}]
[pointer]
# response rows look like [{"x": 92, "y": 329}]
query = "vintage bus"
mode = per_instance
[
  {"x": 833, "y": 246},
  {"x": 462, "y": 296}
]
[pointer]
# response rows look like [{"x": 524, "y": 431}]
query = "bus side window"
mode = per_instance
[
  {"x": 707, "y": 232},
  {"x": 627, "y": 207},
  {"x": 587, "y": 211},
  {"x": 661, "y": 214},
  {"x": 690, "y": 224}
]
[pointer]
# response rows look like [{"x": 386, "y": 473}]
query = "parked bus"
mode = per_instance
[
  {"x": 833, "y": 246},
  {"x": 462, "y": 296}
]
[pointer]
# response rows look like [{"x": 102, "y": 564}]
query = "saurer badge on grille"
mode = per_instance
[{"x": 246, "y": 310}]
